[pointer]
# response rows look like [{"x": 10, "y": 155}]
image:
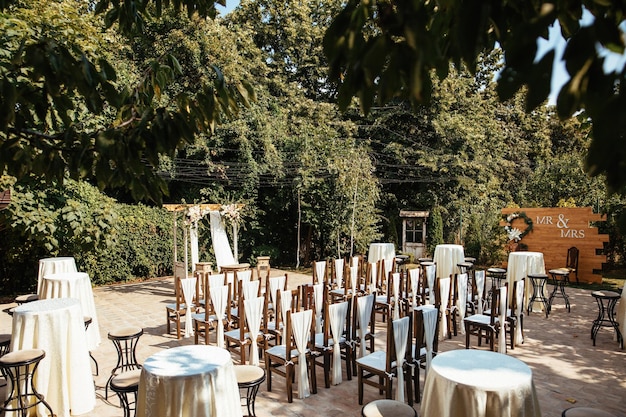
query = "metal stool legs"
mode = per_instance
[{"x": 125, "y": 342}]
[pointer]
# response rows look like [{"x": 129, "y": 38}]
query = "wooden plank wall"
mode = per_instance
[{"x": 555, "y": 230}]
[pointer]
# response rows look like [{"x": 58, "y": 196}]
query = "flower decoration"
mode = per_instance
[
  {"x": 231, "y": 213},
  {"x": 194, "y": 214},
  {"x": 515, "y": 233}
]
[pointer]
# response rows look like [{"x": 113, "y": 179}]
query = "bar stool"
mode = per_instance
[
  {"x": 88, "y": 321},
  {"x": 497, "y": 275},
  {"x": 606, "y": 314},
  {"x": 124, "y": 384},
  {"x": 585, "y": 412},
  {"x": 401, "y": 261},
  {"x": 5, "y": 344},
  {"x": 470, "y": 259},
  {"x": 20, "y": 367},
  {"x": 125, "y": 341},
  {"x": 539, "y": 283},
  {"x": 387, "y": 408},
  {"x": 559, "y": 278},
  {"x": 250, "y": 377},
  {"x": 26, "y": 298}
]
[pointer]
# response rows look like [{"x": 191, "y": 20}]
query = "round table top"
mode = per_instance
[
  {"x": 482, "y": 369},
  {"x": 605, "y": 294},
  {"x": 186, "y": 361},
  {"x": 66, "y": 276},
  {"x": 46, "y": 305}
]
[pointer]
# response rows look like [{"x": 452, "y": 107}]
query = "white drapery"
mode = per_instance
[
  {"x": 320, "y": 270},
  {"x": 318, "y": 295},
  {"x": 354, "y": 279},
  {"x": 374, "y": 276},
  {"x": 221, "y": 245},
  {"x": 285, "y": 306},
  {"x": 339, "y": 267},
  {"x": 337, "y": 313},
  {"x": 254, "y": 314},
  {"x": 193, "y": 240},
  {"x": 461, "y": 302},
  {"x": 444, "y": 292},
  {"x": 219, "y": 298},
  {"x": 250, "y": 289},
  {"x": 396, "y": 295},
  {"x": 430, "y": 316},
  {"x": 431, "y": 273},
  {"x": 189, "y": 291},
  {"x": 364, "y": 310},
  {"x": 519, "y": 304},
  {"x": 479, "y": 277},
  {"x": 414, "y": 276},
  {"x": 502, "y": 318},
  {"x": 301, "y": 329},
  {"x": 276, "y": 284},
  {"x": 400, "y": 337}
]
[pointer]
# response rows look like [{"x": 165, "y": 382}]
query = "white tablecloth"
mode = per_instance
[
  {"x": 620, "y": 312},
  {"x": 520, "y": 265},
  {"x": 64, "y": 375},
  {"x": 74, "y": 285},
  {"x": 53, "y": 266},
  {"x": 378, "y": 251},
  {"x": 189, "y": 381},
  {"x": 447, "y": 257},
  {"x": 479, "y": 383}
]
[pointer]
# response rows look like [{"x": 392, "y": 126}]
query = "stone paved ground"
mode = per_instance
[{"x": 568, "y": 371}]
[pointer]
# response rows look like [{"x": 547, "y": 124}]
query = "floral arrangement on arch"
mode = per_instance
[
  {"x": 231, "y": 213},
  {"x": 514, "y": 233},
  {"x": 195, "y": 214}
]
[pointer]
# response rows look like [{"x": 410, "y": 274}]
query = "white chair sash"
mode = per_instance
[
  {"x": 301, "y": 329},
  {"x": 461, "y": 302},
  {"x": 254, "y": 313},
  {"x": 189, "y": 292},
  {"x": 276, "y": 284},
  {"x": 219, "y": 298},
  {"x": 339, "y": 272},
  {"x": 431, "y": 272},
  {"x": 244, "y": 276},
  {"x": 479, "y": 277},
  {"x": 230, "y": 279},
  {"x": 337, "y": 313},
  {"x": 400, "y": 337},
  {"x": 519, "y": 305},
  {"x": 430, "y": 324},
  {"x": 318, "y": 295},
  {"x": 444, "y": 293},
  {"x": 320, "y": 268},
  {"x": 354, "y": 278},
  {"x": 216, "y": 280},
  {"x": 396, "y": 295},
  {"x": 502, "y": 318},
  {"x": 285, "y": 305},
  {"x": 374, "y": 277},
  {"x": 354, "y": 261},
  {"x": 364, "y": 309},
  {"x": 414, "y": 275},
  {"x": 250, "y": 289},
  {"x": 388, "y": 264}
]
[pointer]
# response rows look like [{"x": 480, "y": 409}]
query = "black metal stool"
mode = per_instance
[
  {"x": 539, "y": 283},
  {"x": 401, "y": 261},
  {"x": 606, "y": 314},
  {"x": 585, "y": 412},
  {"x": 559, "y": 278},
  {"x": 470, "y": 259},
  {"x": 88, "y": 321},
  {"x": 388, "y": 408},
  {"x": 124, "y": 384},
  {"x": 26, "y": 298},
  {"x": 250, "y": 377},
  {"x": 497, "y": 275},
  {"x": 20, "y": 367},
  {"x": 125, "y": 341}
]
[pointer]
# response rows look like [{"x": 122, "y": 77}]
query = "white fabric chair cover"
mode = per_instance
[
  {"x": 189, "y": 292},
  {"x": 374, "y": 276},
  {"x": 354, "y": 261},
  {"x": 285, "y": 305},
  {"x": 519, "y": 304},
  {"x": 337, "y": 314},
  {"x": 388, "y": 264},
  {"x": 301, "y": 329},
  {"x": 244, "y": 276},
  {"x": 400, "y": 337},
  {"x": 193, "y": 242},
  {"x": 414, "y": 275},
  {"x": 479, "y": 277},
  {"x": 429, "y": 314},
  {"x": 250, "y": 289},
  {"x": 364, "y": 310},
  {"x": 219, "y": 298},
  {"x": 396, "y": 295},
  {"x": 461, "y": 302},
  {"x": 254, "y": 313},
  {"x": 216, "y": 280},
  {"x": 339, "y": 267},
  {"x": 221, "y": 245},
  {"x": 320, "y": 268},
  {"x": 318, "y": 295},
  {"x": 444, "y": 292},
  {"x": 354, "y": 278},
  {"x": 276, "y": 283},
  {"x": 502, "y": 318},
  {"x": 431, "y": 273}
]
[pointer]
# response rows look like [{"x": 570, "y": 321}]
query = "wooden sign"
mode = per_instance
[{"x": 553, "y": 231}]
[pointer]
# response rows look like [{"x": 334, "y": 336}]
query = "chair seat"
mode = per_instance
[
  {"x": 126, "y": 381},
  {"x": 280, "y": 350},
  {"x": 125, "y": 332},
  {"x": 388, "y": 408},
  {"x": 201, "y": 317},
  {"x": 375, "y": 360},
  {"x": 381, "y": 298},
  {"x": 24, "y": 356},
  {"x": 235, "y": 334},
  {"x": 182, "y": 307},
  {"x": 248, "y": 374},
  {"x": 585, "y": 412},
  {"x": 482, "y": 319},
  {"x": 26, "y": 298},
  {"x": 319, "y": 341}
]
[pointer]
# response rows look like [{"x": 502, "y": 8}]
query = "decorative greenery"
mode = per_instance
[{"x": 514, "y": 233}]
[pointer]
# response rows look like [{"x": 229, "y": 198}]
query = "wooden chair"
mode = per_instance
[
  {"x": 178, "y": 309},
  {"x": 458, "y": 307},
  {"x": 379, "y": 368},
  {"x": 320, "y": 272},
  {"x": 425, "y": 329},
  {"x": 248, "y": 333},
  {"x": 571, "y": 263},
  {"x": 296, "y": 349},
  {"x": 443, "y": 299},
  {"x": 363, "y": 326},
  {"x": 217, "y": 297},
  {"x": 491, "y": 324},
  {"x": 479, "y": 293},
  {"x": 515, "y": 315}
]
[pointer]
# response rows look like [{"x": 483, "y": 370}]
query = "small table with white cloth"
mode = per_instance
[
  {"x": 378, "y": 251},
  {"x": 54, "y": 266},
  {"x": 520, "y": 265},
  {"x": 620, "y": 312},
  {"x": 479, "y": 383},
  {"x": 192, "y": 380},
  {"x": 74, "y": 285},
  {"x": 64, "y": 376},
  {"x": 447, "y": 257}
]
